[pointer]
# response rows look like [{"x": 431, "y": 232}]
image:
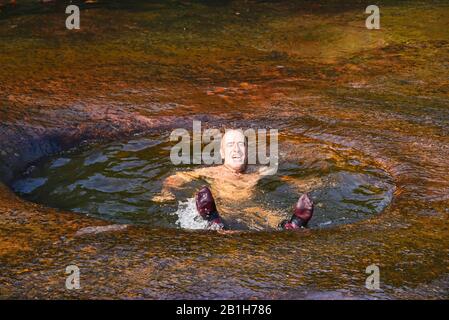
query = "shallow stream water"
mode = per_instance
[{"x": 363, "y": 112}]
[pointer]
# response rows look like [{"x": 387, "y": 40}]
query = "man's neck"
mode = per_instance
[{"x": 234, "y": 171}]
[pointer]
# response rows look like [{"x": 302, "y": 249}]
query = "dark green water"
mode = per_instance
[{"x": 117, "y": 182}]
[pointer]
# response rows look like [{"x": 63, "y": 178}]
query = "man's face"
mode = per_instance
[{"x": 234, "y": 150}]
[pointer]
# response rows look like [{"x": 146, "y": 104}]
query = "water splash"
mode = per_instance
[{"x": 188, "y": 217}]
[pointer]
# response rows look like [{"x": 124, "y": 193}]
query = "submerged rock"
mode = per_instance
[{"x": 100, "y": 229}]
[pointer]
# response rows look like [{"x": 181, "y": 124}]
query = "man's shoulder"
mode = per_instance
[
  {"x": 256, "y": 169},
  {"x": 265, "y": 170},
  {"x": 207, "y": 170},
  {"x": 220, "y": 169}
]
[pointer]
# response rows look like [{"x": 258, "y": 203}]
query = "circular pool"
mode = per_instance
[{"x": 118, "y": 181}]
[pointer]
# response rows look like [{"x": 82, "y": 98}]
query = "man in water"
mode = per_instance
[{"x": 233, "y": 183}]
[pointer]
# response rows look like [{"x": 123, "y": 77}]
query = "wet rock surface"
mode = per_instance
[
  {"x": 100, "y": 229},
  {"x": 159, "y": 67}
]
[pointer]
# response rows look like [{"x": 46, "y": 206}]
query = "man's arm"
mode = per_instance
[
  {"x": 176, "y": 181},
  {"x": 172, "y": 182}
]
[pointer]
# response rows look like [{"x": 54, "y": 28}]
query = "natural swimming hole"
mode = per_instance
[{"x": 117, "y": 182}]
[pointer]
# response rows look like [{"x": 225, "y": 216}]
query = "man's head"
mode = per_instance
[{"x": 234, "y": 150}]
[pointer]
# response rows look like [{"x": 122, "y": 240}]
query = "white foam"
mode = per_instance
[{"x": 188, "y": 217}]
